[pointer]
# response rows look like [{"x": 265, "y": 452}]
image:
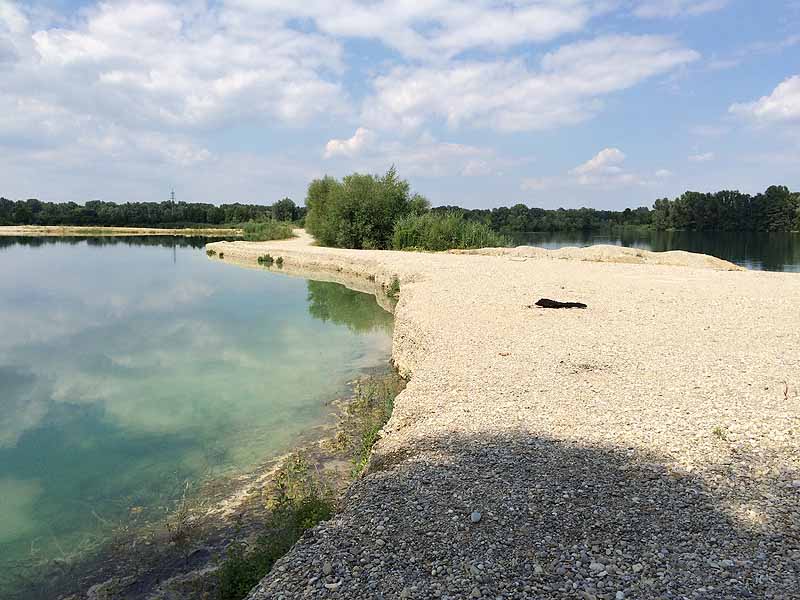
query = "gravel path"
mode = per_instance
[{"x": 646, "y": 447}]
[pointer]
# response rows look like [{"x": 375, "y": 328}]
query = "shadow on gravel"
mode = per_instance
[{"x": 558, "y": 520}]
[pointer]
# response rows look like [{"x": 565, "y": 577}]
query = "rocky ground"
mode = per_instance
[{"x": 645, "y": 447}]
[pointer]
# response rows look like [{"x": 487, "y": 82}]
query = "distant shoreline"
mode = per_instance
[{"x": 73, "y": 230}]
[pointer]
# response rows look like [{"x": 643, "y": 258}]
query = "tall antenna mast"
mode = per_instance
[{"x": 172, "y": 197}]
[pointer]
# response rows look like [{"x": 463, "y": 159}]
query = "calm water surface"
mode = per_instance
[
  {"x": 760, "y": 251},
  {"x": 129, "y": 366}
]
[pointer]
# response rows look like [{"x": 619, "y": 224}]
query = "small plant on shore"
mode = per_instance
[
  {"x": 266, "y": 260},
  {"x": 180, "y": 525},
  {"x": 720, "y": 432},
  {"x": 394, "y": 288},
  {"x": 221, "y": 255},
  {"x": 279, "y": 262},
  {"x": 368, "y": 412},
  {"x": 298, "y": 500},
  {"x": 211, "y": 252}
]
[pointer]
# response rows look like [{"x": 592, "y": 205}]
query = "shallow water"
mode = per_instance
[
  {"x": 776, "y": 251},
  {"x": 131, "y": 366}
]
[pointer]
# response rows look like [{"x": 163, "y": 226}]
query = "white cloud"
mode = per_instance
[
  {"x": 349, "y": 147},
  {"x": 436, "y": 30},
  {"x": 604, "y": 170},
  {"x": 675, "y": 8},
  {"x": 702, "y": 157},
  {"x": 605, "y": 161},
  {"x": 663, "y": 173},
  {"x": 12, "y": 20},
  {"x": 509, "y": 96},
  {"x": 783, "y": 104}
]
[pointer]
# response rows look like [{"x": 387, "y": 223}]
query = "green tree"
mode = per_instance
[
  {"x": 361, "y": 210},
  {"x": 284, "y": 210}
]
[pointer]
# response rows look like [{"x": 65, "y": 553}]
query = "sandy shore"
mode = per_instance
[
  {"x": 57, "y": 230},
  {"x": 646, "y": 447}
]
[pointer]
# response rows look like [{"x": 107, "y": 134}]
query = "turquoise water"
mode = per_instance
[{"x": 131, "y": 366}]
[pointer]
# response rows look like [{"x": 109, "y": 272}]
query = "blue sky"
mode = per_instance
[{"x": 602, "y": 103}]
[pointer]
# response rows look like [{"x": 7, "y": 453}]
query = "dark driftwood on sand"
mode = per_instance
[{"x": 547, "y": 303}]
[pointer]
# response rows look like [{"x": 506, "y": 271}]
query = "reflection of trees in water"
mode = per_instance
[
  {"x": 776, "y": 251},
  {"x": 165, "y": 241},
  {"x": 357, "y": 310},
  {"x": 767, "y": 251}
]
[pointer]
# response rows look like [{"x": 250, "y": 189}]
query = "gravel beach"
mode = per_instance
[{"x": 647, "y": 446}]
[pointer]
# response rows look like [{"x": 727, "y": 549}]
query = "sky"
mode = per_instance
[{"x": 481, "y": 103}]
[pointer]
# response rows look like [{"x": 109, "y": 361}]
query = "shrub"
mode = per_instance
[
  {"x": 361, "y": 210},
  {"x": 443, "y": 231},
  {"x": 261, "y": 231},
  {"x": 279, "y": 262},
  {"x": 298, "y": 501},
  {"x": 222, "y": 255},
  {"x": 394, "y": 288},
  {"x": 211, "y": 252},
  {"x": 266, "y": 260}
]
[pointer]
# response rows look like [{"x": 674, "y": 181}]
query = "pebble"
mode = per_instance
[{"x": 475, "y": 516}]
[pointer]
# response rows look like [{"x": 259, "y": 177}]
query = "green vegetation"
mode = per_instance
[
  {"x": 298, "y": 500},
  {"x": 262, "y": 231},
  {"x": 367, "y": 413},
  {"x": 393, "y": 290},
  {"x": 222, "y": 255},
  {"x": 210, "y": 252},
  {"x": 266, "y": 260},
  {"x": 777, "y": 209},
  {"x": 144, "y": 214},
  {"x": 444, "y": 231},
  {"x": 279, "y": 262},
  {"x": 361, "y": 210}
]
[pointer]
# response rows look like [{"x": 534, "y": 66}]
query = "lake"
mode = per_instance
[
  {"x": 129, "y": 366},
  {"x": 759, "y": 251}
]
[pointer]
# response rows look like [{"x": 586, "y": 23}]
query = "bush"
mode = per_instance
[
  {"x": 394, "y": 288},
  {"x": 299, "y": 501},
  {"x": 444, "y": 231},
  {"x": 266, "y": 260},
  {"x": 361, "y": 210},
  {"x": 262, "y": 231}
]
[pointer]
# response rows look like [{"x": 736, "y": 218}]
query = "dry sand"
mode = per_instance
[{"x": 646, "y": 447}]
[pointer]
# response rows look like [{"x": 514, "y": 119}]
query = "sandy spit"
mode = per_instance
[
  {"x": 646, "y": 447},
  {"x": 58, "y": 230}
]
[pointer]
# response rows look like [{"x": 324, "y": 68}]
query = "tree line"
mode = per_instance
[
  {"x": 367, "y": 206},
  {"x": 143, "y": 214},
  {"x": 777, "y": 209}
]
